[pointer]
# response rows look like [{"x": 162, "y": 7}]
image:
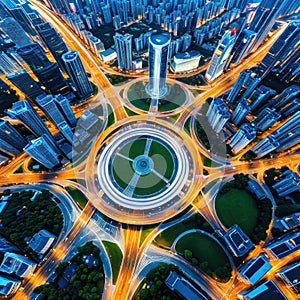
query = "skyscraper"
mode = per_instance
[
  {"x": 158, "y": 64},
  {"x": 281, "y": 49},
  {"x": 77, "y": 73},
  {"x": 123, "y": 46},
  {"x": 244, "y": 86},
  {"x": 263, "y": 21},
  {"x": 65, "y": 108},
  {"x": 266, "y": 118},
  {"x": 25, "y": 83},
  {"x": 217, "y": 114},
  {"x": 9, "y": 134},
  {"x": 240, "y": 112},
  {"x": 240, "y": 48},
  {"x": 24, "y": 112},
  {"x": 14, "y": 30},
  {"x": 242, "y": 137},
  {"x": 221, "y": 55},
  {"x": 43, "y": 151},
  {"x": 259, "y": 96},
  {"x": 47, "y": 72},
  {"x": 54, "y": 42},
  {"x": 8, "y": 149}
]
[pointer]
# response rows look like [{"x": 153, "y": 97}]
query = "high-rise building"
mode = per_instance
[
  {"x": 158, "y": 64},
  {"x": 284, "y": 45},
  {"x": 54, "y": 42},
  {"x": 291, "y": 108},
  {"x": 285, "y": 97},
  {"x": 65, "y": 129},
  {"x": 265, "y": 146},
  {"x": 217, "y": 114},
  {"x": 263, "y": 21},
  {"x": 25, "y": 83},
  {"x": 240, "y": 48},
  {"x": 24, "y": 112},
  {"x": 7, "y": 148},
  {"x": 221, "y": 55},
  {"x": 240, "y": 112},
  {"x": 123, "y": 46},
  {"x": 260, "y": 96},
  {"x": 14, "y": 30},
  {"x": 47, "y": 72},
  {"x": 48, "y": 106},
  {"x": 106, "y": 14},
  {"x": 8, "y": 285},
  {"x": 8, "y": 64},
  {"x": 266, "y": 118},
  {"x": 287, "y": 183},
  {"x": 77, "y": 74},
  {"x": 43, "y": 151},
  {"x": 9, "y": 134},
  {"x": 245, "y": 135},
  {"x": 244, "y": 86},
  {"x": 65, "y": 108}
]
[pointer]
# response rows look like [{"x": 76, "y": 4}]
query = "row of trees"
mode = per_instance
[
  {"x": 86, "y": 283},
  {"x": 222, "y": 273},
  {"x": 23, "y": 217}
]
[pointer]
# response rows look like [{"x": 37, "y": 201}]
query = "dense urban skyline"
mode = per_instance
[{"x": 149, "y": 149}]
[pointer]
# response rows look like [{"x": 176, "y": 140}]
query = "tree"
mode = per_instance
[{"x": 188, "y": 254}]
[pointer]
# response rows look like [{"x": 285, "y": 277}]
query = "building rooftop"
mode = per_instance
[
  {"x": 266, "y": 291},
  {"x": 291, "y": 275},
  {"x": 160, "y": 39},
  {"x": 237, "y": 241},
  {"x": 254, "y": 269},
  {"x": 183, "y": 287},
  {"x": 41, "y": 241},
  {"x": 187, "y": 55}
]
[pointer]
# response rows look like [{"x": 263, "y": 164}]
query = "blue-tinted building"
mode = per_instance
[
  {"x": 245, "y": 135},
  {"x": 221, "y": 56},
  {"x": 77, "y": 73},
  {"x": 43, "y": 151},
  {"x": 25, "y": 83},
  {"x": 240, "y": 112},
  {"x": 123, "y": 46},
  {"x": 217, "y": 114},
  {"x": 260, "y": 96},
  {"x": 266, "y": 118},
  {"x": 158, "y": 64},
  {"x": 287, "y": 183}
]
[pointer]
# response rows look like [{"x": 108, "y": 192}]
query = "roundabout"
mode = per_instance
[{"x": 143, "y": 171}]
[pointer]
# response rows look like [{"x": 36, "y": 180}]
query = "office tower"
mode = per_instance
[
  {"x": 158, "y": 64},
  {"x": 25, "y": 83},
  {"x": 59, "y": 6},
  {"x": 8, "y": 149},
  {"x": 260, "y": 96},
  {"x": 245, "y": 135},
  {"x": 10, "y": 135},
  {"x": 221, "y": 55},
  {"x": 244, "y": 86},
  {"x": 34, "y": 56},
  {"x": 291, "y": 108},
  {"x": 217, "y": 114},
  {"x": 43, "y": 151},
  {"x": 266, "y": 118},
  {"x": 48, "y": 106},
  {"x": 77, "y": 74},
  {"x": 7, "y": 64},
  {"x": 288, "y": 134},
  {"x": 284, "y": 45},
  {"x": 65, "y": 129},
  {"x": 265, "y": 146},
  {"x": 65, "y": 108},
  {"x": 241, "y": 45},
  {"x": 15, "y": 31},
  {"x": 106, "y": 14},
  {"x": 8, "y": 285},
  {"x": 47, "y": 72},
  {"x": 263, "y": 21},
  {"x": 287, "y": 183},
  {"x": 240, "y": 112},
  {"x": 24, "y": 112},
  {"x": 54, "y": 42},
  {"x": 123, "y": 46},
  {"x": 4, "y": 13},
  {"x": 285, "y": 97},
  {"x": 117, "y": 22}
]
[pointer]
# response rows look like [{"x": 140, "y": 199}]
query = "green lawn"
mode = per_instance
[
  {"x": 115, "y": 256},
  {"x": 150, "y": 183},
  {"x": 237, "y": 207},
  {"x": 77, "y": 195},
  {"x": 204, "y": 248}
]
